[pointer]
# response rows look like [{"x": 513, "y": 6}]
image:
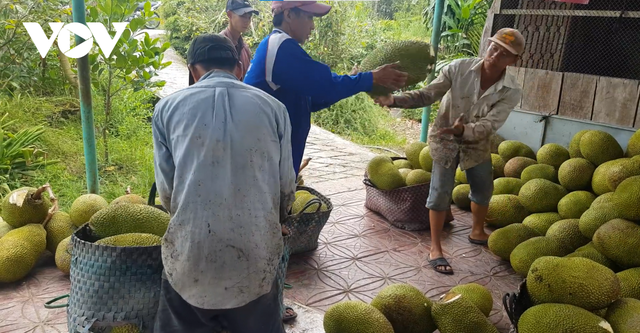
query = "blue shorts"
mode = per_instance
[{"x": 480, "y": 180}]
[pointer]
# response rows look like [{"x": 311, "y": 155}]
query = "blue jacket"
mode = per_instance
[{"x": 282, "y": 68}]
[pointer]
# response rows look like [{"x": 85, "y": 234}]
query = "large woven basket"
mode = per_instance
[
  {"x": 515, "y": 304},
  {"x": 404, "y": 208},
  {"x": 307, "y": 226},
  {"x": 282, "y": 270},
  {"x": 112, "y": 286}
]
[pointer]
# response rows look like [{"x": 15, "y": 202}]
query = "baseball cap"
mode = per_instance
[
  {"x": 511, "y": 39},
  {"x": 313, "y": 7},
  {"x": 241, "y": 7},
  {"x": 208, "y": 47}
]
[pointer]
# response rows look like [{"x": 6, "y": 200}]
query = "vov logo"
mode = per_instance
[{"x": 89, "y": 32}]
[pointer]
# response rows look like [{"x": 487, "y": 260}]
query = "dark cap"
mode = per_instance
[
  {"x": 241, "y": 7},
  {"x": 208, "y": 47}
]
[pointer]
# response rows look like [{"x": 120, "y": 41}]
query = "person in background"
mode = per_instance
[
  {"x": 477, "y": 97},
  {"x": 239, "y": 14},
  {"x": 282, "y": 68},
  {"x": 224, "y": 172}
]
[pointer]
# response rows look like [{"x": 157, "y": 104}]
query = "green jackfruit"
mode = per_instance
[
  {"x": 453, "y": 313},
  {"x": 20, "y": 249},
  {"x": 575, "y": 174},
  {"x": 590, "y": 252},
  {"x": 301, "y": 201},
  {"x": 567, "y": 233},
  {"x": 528, "y": 251},
  {"x": 402, "y": 164},
  {"x": 624, "y": 315},
  {"x": 576, "y": 281},
  {"x": 509, "y": 149},
  {"x": 129, "y": 218},
  {"x": 404, "y": 173},
  {"x": 574, "y": 145},
  {"x": 417, "y": 177},
  {"x": 407, "y": 308},
  {"x": 384, "y": 174},
  {"x": 619, "y": 240},
  {"x": 626, "y": 198},
  {"x": 515, "y": 166},
  {"x": 84, "y": 207},
  {"x": 58, "y": 228},
  {"x": 479, "y": 295},
  {"x": 129, "y": 198},
  {"x": 412, "y": 151},
  {"x": 4, "y": 228},
  {"x": 574, "y": 204},
  {"x": 539, "y": 171},
  {"x": 25, "y": 205},
  {"x": 355, "y": 316},
  {"x": 602, "y": 200},
  {"x": 425, "y": 160},
  {"x": 415, "y": 58},
  {"x": 131, "y": 239},
  {"x": 498, "y": 166},
  {"x": 505, "y": 209},
  {"x": 599, "y": 147},
  {"x": 600, "y": 179},
  {"x": 461, "y": 176},
  {"x": 540, "y": 222},
  {"x": 504, "y": 240},
  {"x": 630, "y": 282},
  {"x": 63, "y": 255},
  {"x": 460, "y": 196},
  {"x": 593, "y": 218},
  {"x": 633, "y": 147},
  {"x": 555, "y": 318},
  {"x": 621, "y": 171},
  {"x": 541, "y": 195},
  {"x": 507, "y": 185},
  {"x": 552, "y": 154}
]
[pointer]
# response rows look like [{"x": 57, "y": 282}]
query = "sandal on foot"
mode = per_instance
[
  {"x": 441, "y": 262},
  {"x": 288, "y": 317},
  {"x": 477, "y": 241}
]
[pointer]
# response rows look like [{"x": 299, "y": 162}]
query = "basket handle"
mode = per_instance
[
  {"x": 48, "y": 305},
  {"x": 508, "y": 301},
  {"x": 368, "y": 182},
  {"x": 309, "y": 203},
  {"x": 152, "y": 195}
]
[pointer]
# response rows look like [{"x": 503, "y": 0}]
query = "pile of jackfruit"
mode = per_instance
[
  {"x": 32, "y": 224},
  {"x": 415, "y": 169},
  {"x": 568, "y": 219},
  {"x": 403, "y": 308}
]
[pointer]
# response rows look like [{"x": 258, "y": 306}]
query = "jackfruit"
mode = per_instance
[
  {"x": 514, "y": 167},
  {"x": 539, "y": 171},
  {"x": 624, "y": 315},
  {"x": 507, "y": 185},
  {"x": 633, "y": 147},
  {"x": 599, "y": 146},
  {"x": 600, "y": 179},
  {"x": 454, "y": 313},
  {"x": 540, "y": 222},
  {"x": 20, "y": 249},
  {"x": 600, "y": 313},
  {"x": 602, "y": 200},
  {"x": 129, "y": 198},
  {"x": 461, "y": 176},
  {"x": 505, "y": 209},
  {"x": 619, "y": 240},
  {"x": 4, "y": 228},
  {"x": 590, "y": 252},
  {"x": 574, "y": 145},
  {"x": 477, "y": 294},
  {"x": 129, "y": 218},
  {"x": 58, "y": 228},
  {"x": 301, "y": 201},
  {"x": 407, "y": 308},
  {"x": 412, "y": 151},
  {"x": 129, "y": 328},
  {"x": 541, "y": 195},
  {"x": 415, "y": 58},
  {"x": 552, "y": 154},
  {"x": 574, "y": 204},
  {"x": 63, "y": 255},
  {"x": 402, "y": 164},
  {"x": 460, "y": 196},
  {"x": 425, "y": 160},
  {"x": 25, "y": 205},
  {"x": 528, "y": 251},
  {"x": 131, "y": 239},
  {"x": 621, "y": 171},
  {"x": 509, "y": 149},
  {"x": 567, "y": 233},
  {"x": 575, "y": 174},
  {"x": 504, "y": 240},
  {"x": 554, "y": 318},
  {"x": 576, "y": 281},
  {"x": 593, "y": 218},
  {"x": 404, "y": 173},
  {"x": 626, "y": 198},
  {"x": 84, "y": 207},
  {"x": 384, "y": 174},
  {"x": 417, "y": 177},
  {"x": 630, "y": 283},
  {"x": 498, "y": 166},
  {"x": 355, "y": 316}
]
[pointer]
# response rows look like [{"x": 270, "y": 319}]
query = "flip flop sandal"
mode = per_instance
[
  {"x": 287, "y": 317},
  {"x": 477, "y": 241},
  {"x": 440, "y": 262}
]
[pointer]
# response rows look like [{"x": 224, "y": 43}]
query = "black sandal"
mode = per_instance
[
  {"x": 477, "y": 241},
  {"x": 441, "y": 262},
  {"x": 286, "y": 317}
]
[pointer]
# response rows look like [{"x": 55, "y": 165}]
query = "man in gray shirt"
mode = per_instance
[{"x": 224, "y": 171}]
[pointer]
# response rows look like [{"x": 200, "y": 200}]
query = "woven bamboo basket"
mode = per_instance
[
  {"x": 307, "y": 226},
  {"x": 282, "y": 269},
  {"x": 515, "y": 304}
]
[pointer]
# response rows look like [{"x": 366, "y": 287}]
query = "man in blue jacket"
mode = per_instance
[{"x": 282, "y": 68}]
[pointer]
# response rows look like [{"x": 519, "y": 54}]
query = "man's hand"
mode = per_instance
[
  {"x": 457, "y": 129},
  {"x": 389, "y": 77},
  {"x": 354, "y": 70},
  {"x": 384, "y": 100}
]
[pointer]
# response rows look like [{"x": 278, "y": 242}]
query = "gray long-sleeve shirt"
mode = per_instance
[{"x": 223, "y": 169}]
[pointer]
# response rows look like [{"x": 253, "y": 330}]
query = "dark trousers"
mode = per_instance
[{"x": 175, "y": 315}]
